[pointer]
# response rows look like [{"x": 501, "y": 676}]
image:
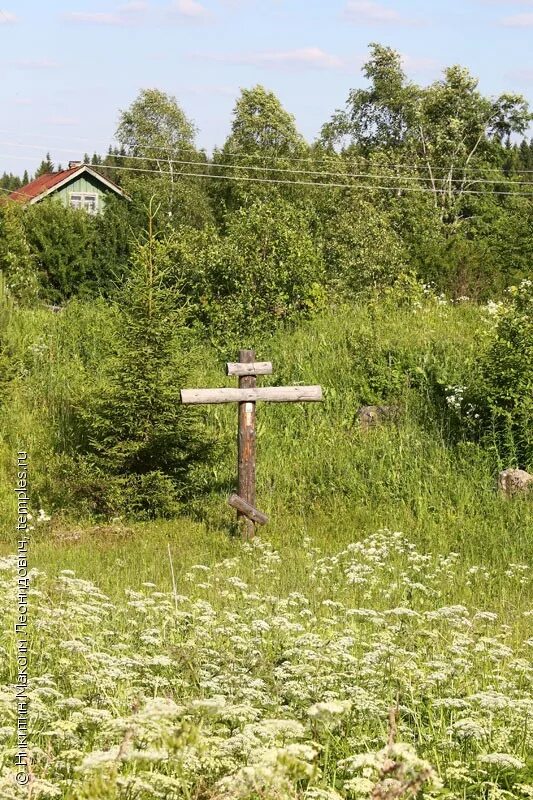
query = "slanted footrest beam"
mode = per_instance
[{"x": 249, "y": 511}]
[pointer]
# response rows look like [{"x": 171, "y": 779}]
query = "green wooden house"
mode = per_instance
[{"x": 79, "y": 186}]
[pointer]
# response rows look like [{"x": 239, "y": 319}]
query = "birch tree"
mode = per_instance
[
  {"x": 159, "y": 139},
  {"x": 437, "y": 133}
]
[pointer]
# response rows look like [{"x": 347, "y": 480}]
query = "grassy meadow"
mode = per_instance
[{"x": 373, "y": 642}]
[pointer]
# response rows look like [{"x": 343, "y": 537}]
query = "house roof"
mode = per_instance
[{"x": 52, "y": 181}]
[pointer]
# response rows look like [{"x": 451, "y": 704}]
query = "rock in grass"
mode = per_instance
[
  {"x": 370, "y": 416},
  {"x": 514, "y": 481}
]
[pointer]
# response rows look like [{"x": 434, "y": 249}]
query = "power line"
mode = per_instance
[
  {"x": 285, "y": 170},
  {"x": 291, "y": 159},
  {"x": 313, "y": 184},
  {"x": 327, "y": 173},
  {"x": 304, "y": 183}
]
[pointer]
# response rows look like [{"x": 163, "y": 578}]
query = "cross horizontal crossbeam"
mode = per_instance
[{"x": 272, "y": 394}]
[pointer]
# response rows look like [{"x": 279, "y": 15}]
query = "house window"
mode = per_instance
[{"x": 86, "y": 200}]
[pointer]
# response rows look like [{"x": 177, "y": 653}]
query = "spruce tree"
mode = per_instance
[
  {"x": 526, "y": 154},
  {"x": 142, "y": 443},
  {"x": 10, "y": 182},
  {"x": 45, "y": 166}
]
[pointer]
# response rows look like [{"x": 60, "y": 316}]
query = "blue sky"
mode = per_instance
[{"x": 67, "y": 68}]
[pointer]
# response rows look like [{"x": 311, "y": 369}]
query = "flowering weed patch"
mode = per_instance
[{"x": 229, "y": 688}]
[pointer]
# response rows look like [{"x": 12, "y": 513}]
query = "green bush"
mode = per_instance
[
  {"x": 6, "y": 362},
  {"x": 17, "y": 263},
  {"x": 505, "y": 396},
  {"x": 265, "y": 269},
  {"x": 361, "y": 250},
  {"x": 75, "y": 254},
  {"x": 62, "y": 241}
]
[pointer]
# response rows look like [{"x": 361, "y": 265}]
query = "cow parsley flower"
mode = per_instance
[
  {"x": 328, "y": 710},
  {"x": 468, "y": 728},
  {"x": 503, "y": 761}
]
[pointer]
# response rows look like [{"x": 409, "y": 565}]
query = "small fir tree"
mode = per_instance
[
  {"x": 45, "y": 166},
  {"x": 141, "y": 442}
]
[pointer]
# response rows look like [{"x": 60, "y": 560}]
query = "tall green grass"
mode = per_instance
[
  {"x": 319, "y": 473},
  {"x": 201, "y": 643}
]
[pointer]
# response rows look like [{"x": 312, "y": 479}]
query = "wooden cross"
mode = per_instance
[{"x": 247, "y": 370}]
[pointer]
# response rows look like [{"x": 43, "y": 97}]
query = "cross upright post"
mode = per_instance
[{"x": 246, "y": 447}]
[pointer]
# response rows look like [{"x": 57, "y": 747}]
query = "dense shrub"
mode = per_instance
[
  {"x": 77, "y": 254},
  {"x": 360, "y": 247},
  {"x": 16, "y": 260},
  {"x": 505, "y": 396},
  {"x": 62, "y": 241},
  {"x": 265, "y": 269},
  {"x": 6, "y": 310}
]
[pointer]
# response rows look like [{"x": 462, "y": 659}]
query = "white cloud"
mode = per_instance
[
  {"x": 190, "y": 9},
  {"x": 524, "y": 75},
  {"x": 209, "y": 89},
  {"x": 39, "y": 63},
  {"x": 62, "y": 121},
  {"x": 507, "y": 2},
  {"x": 518, "y": 21},
  {"x": 135, "y": 11},
  {"x": 303, "y": 58},
  {"x": 368, "y": 12},
  {"x": 95, "y": 18},
  {"x": 7, "y": 17},
  {"x": 127, "y": 14},
  {"x": 134, "y": 7}
]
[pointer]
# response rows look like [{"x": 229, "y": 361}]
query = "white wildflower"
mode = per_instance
[
  {"x": 525, "y": 789},
  {"x": 485, "y": 616},
  {"x": 100, "y": 758},
  {"x": 502, "y": 761},
  {"x": 328, "y": 710},
  {"x": 468, "y": 728}
]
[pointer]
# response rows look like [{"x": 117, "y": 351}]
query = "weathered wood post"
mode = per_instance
[
  {"x": 246, "y": 447},
  {"x": 246, "y": 369}
]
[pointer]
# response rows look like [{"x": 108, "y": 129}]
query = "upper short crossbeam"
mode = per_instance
[{"x": 248, "y": 370}]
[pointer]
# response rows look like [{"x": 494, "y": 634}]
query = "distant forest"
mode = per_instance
[{"x": 432, "y": 181}]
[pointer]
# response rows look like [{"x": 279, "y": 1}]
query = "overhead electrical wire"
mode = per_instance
[
  {"x": 291, "y": 159},
  {"x": 306, "y": 183},
  {"x": 325, "y": 173},
  {"x": 311, "y": 184},
  {"x": 346, "y": 175}
]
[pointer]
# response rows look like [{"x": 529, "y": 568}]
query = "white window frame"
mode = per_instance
[{"x": 88, "y": 201}]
